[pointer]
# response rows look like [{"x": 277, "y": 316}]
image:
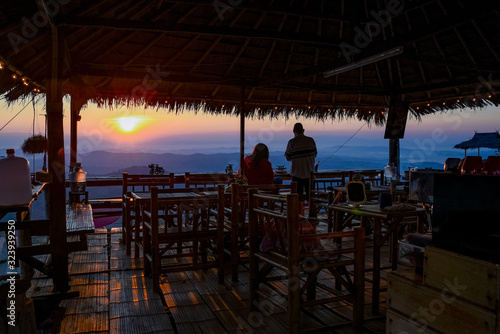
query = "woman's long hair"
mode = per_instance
[{"x": 260, "y": 151}]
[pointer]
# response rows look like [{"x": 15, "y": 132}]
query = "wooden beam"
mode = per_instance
[
  {"x": 56, "y": 164},
  {"x": 168, "y": 27},
  {"x": 242, "y": 130},
  {"x": 76, "y": 105}
]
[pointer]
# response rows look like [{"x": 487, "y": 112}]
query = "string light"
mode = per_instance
[
  {"x": 1, "y": 66},
  {"x": 14, "y": 76}
]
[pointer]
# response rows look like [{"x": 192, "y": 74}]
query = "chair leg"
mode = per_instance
[
  {"x": 156, "y": 263},
  {"x": 294, "y": 301},
  {"x": 137, "y": 230},
  {"x": 147, "y": 252},
  {"x": 235, "y": 253}
]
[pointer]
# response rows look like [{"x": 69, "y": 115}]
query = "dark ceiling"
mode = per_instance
[{"x": 275, "y": 56}]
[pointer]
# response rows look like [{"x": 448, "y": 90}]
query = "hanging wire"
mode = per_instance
[
  {"x": 344, "y": 142},
  {"x": 14, "y": 116}
]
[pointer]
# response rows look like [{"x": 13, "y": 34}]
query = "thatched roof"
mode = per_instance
[
  {"x": 487, "y": 140},
  {"x": 273, "y": 55}
]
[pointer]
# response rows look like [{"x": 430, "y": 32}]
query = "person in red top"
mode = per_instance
[{"x": 258, "y": 169}]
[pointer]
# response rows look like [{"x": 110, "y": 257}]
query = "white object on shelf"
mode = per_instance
[{"x": 15, "y": 180}]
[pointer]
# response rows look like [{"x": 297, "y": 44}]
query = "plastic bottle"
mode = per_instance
[{"x": 15, "y": 180}]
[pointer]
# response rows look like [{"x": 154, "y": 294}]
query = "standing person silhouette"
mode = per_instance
[{"x": 301, "y": 151}]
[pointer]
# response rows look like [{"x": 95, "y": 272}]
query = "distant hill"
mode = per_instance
[{"x": 102, "y": 163}]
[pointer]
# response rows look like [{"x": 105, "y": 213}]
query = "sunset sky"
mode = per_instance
[{"x": 159, "y": 131}]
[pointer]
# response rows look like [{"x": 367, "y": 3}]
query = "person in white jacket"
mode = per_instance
[{"x": 301, "y": 151}]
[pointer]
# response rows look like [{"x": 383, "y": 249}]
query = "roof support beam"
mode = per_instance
[
  {"x": 56, "y": 165},
  {"x": 168, "y": 27}
]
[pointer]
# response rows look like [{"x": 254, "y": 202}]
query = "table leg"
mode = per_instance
[
  {"x": 376, "y": 265},
  {"x": 137, "y": 229},
  {"x": 25, "y": 240},
  {"x": 393, "y": 246},
  {"x": 420, "y": 224}
]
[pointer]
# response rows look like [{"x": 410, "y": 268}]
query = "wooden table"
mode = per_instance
[
  {"x": 168, "y": 199},
  {"x": 79, "y": 222},
  {"x": 391, "y": 219}
]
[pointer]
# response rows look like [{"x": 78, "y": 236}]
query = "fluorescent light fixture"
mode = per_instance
[{"x": 360, "y": 63}]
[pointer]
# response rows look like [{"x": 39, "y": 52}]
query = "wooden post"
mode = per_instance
[
  {"x": 77, "y": 102},
  {"x": 394, "y": 156},
  {"x": 56, "y": 166},
  {"x": 242, "y": 131},
  {"x": 395, "y": 129}
]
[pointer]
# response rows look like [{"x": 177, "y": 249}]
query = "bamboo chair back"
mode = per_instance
[{"x": 298, "y": 255}]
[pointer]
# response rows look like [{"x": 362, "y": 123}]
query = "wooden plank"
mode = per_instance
[
  {"x": 438, "y": 309},
  {"x": 141, "y": 324},
  {"x": 188, "y": 313},
  {"x": 85, "y": 305},
  {"x": 86, "y": 322},
  {"x": 125, "y": 280},
  {"x": 130, "y": 295},
  {"x": 91, "y": 290},
  {"x": 184, "y": 298},
  {"x": 481, "y": 278},
  {"x": 399, "y": 323},
  {"x": 136, "y": 308}
]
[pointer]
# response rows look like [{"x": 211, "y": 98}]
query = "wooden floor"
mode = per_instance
[{"x": 115, "y": 297}]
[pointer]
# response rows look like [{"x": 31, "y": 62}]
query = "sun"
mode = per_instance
[{"x": 129, "y": 123}]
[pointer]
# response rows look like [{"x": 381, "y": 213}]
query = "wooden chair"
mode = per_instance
[
  {"x": 187, "y": 245},
  {"x": 321, "y": 190},
  {"x": 374, "y": 176},
  {"x": 472, "y": 165},
  {"x": 206, "y": 179},
  {"x": 237, "y": 224},
  {"x": 492, "y": 165},
  {"x": 324, "y": 181},
  {"x": 137, "y": 182},
  {"x": 298, "y": 258}
]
